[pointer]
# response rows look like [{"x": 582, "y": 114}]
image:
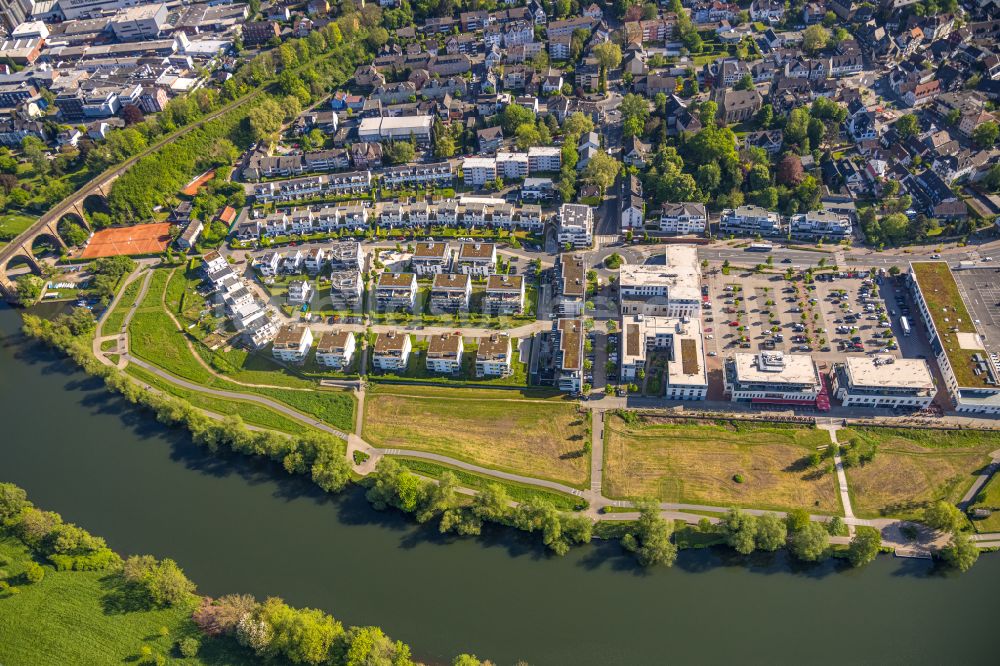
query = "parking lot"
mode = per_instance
[
  {"x": 834, "y": 316},
  {"x": 980, "y": 287}
]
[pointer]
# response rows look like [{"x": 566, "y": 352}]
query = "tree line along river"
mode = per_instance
[{"x": 238, "y": 526}]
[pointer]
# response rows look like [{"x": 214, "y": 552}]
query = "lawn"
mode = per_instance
[
  {"x": 249, "y": 367},
  {"x": 696, "y": 463},
  {"x": 914, "y": 467},
  {"x": 113, "y": 322},
  {"x": 497, "y": 429},
  {"x": 518, "y": 492},
  {"x": 157, "y": 284},
  {"x": 12, "y": 224},
  {"x": 251, "y": 413},
  {"x": 153, "y": 337},
  {"x": 70, "y": 618}
]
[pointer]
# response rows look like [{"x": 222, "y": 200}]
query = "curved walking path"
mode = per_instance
[{"x": 236, "y": 395}]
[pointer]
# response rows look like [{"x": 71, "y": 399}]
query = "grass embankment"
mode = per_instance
[
  {"x": 153, "y": 337},
  {"x": 538, "y": 438},
  {"x": 698, "y": 463},
  {"x": 988, "y": 498},
  {"x": 113, "y": 322},
  {"x": 516, "y": 491},
  {"x": 251, "y": 413},
  {"x": 72, "y": 617},
  {"x": 913, "y": 468}
]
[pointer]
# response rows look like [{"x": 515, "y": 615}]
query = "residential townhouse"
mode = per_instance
[
  {"x": 438, "y": 174},
  {"x": 312, "y": 187},
  {"x": 335, "y": 349}
]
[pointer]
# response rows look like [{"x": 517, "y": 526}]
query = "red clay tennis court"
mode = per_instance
[{"x": 137, "y": 239}]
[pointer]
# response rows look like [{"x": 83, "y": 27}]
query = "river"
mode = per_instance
[{"x": 237, "y": 526}]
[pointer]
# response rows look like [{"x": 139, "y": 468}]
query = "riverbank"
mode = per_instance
[{"x": 235, "y": 524}]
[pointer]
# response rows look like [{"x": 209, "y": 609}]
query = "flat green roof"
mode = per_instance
[{"x": 944, "y": 301}]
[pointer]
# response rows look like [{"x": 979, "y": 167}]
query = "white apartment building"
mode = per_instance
[
  {"x": 750, "y": 221},
  {"x": 883, "y": 381},
  {"x": 477, "y": 171},
  {"x": 504, "y": 295},
  {"x": 512, "y": 166},
  {"x": 683, "y": 218},
  {"x": 576, "y": 225},
  {"x": 392, "y": 351},
  {"x": 571, "y": 272},
  {"x": 493, "y": 356},
  {"x": 336, "y": 349},
  {"x": 544, "y": 158},
  {"x": 311, "y": 187},
  {"x": 569, "y": 354},
  {"x": 444, "y": 353},
  {"x": 292, "y": 343},
  {"x": 396, "y": 291},
  {"x": 299, "y": 292},
  {"x": 431, "y": 258},
  {"x": 450, "y": 292},
  {"x": 671, "y": 290},
  {"x": 775, "y": 378},
  {"x": 680, "y": 339},
  {"x": 820, "y": 224},
  {"x": 478, "y": 259}
]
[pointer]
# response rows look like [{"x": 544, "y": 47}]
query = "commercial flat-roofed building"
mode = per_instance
[
  {"x": 392, "y": 351},
  {"x": 493, "y": 356},
  {"x": 678, "y": 337},
  {"x": 431, "y": 258},
  {"x": 292, "y": 343},
  {"x": 820, "y": 224},
  {"x": 336, "y": 349},
  {"x": 576, "y": 225},
  {"x": 672, "y": 290},
  {"x": 571, "y": 279},
  {"x": 504, "y": 295},
  {"x": 141, "y": 22},
  {"x": 883, "y": 381},
  {"x": 444, "y": 353},
  {"x": 775, "y": 378},
  {"x": 569, "y": 354},
  {"x": 479, "y": 259},
  {"x": 750, "y": 221},
  {"x": 395, "y": 291},
  {"x": 450, "y": 292},
  {"x": 970, "y": 374},
  {"x": 396, "y": 128}
]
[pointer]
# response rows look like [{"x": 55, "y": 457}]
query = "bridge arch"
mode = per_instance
[
  {"x": 95, "y": 202},
  {"x": 73, "y": 229},
  {"x": 46, "y": 244}
]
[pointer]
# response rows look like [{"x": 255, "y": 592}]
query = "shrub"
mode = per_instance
[
  {"x": 188, "y": 647},
  {"x": 738, "y": 477},
  {"x": 34, "y": 572}
]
